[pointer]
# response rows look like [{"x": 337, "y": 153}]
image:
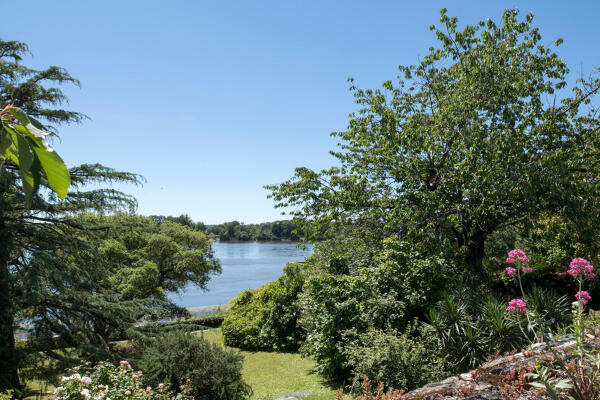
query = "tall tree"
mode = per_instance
[
  {"x": 479, "y": 135},
  {"x": 24, "y": 88},
  {"x": 53, "y": 272}
]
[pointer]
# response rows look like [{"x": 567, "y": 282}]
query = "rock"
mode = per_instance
[
  {"x": 294, "y": 396},
  {"x": 497, "y": 379}
]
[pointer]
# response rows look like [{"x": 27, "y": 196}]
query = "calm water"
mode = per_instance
[{"x": 245, "y": 266}]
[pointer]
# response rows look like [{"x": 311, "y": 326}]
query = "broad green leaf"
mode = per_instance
[
  {"x": 55, "y": 169},
  {"x": 5, "y": 141},
  {"x": 11, "y": 152},
  {"x": 24, "y": 152},
  {"x": 19, "y": 115},
  {"x": 27, "y": 177}
]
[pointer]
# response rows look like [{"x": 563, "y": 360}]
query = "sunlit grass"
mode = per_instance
[{"x": 275, "y": 374}]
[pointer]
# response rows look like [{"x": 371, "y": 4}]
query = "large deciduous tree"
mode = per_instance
[
  {"x": 148, "y": 260},
  {"x": 480, "y": 135}
]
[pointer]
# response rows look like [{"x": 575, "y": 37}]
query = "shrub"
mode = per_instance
[
  {"x": 397, "y": 361},
  {"x": 351, "y": 289},
  {"x": 471, "y": 325},
  {"x": 214, "y": 373},
  {"x": 105, "y": 381},
  {"x": 267, "y": 318}
]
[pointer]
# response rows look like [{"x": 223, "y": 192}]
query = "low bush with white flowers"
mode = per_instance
[{"x": 105, "y": 381}]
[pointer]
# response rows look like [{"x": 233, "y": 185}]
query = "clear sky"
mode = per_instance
[{"x": 211, "y": 100}]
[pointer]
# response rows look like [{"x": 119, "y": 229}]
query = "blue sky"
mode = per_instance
[{"x": 209, "y": 101}]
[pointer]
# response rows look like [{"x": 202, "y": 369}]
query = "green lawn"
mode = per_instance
[{"x": 274, "y": 374}]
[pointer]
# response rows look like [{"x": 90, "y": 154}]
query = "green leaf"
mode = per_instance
[
  {"x": 28, "y": 179},
  {"x": 564, "y": 384},
  {"x": 537, "y": 385},
  {"x": 26, "y": 158},
  {"x": 20, "y": 116},
  {"x": 5, "y": 142},
  {"x": 56, "y": 171},
  {"x": 24, "y": 152},
  {"x": 551, "y": 392}
]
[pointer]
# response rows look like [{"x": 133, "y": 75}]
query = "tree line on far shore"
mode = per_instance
[{"x": 238, "y": 231}]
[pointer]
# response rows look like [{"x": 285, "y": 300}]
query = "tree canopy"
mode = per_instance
[
  {"x": 148, "y": 260},
  {"x": 480, "y": 135}
]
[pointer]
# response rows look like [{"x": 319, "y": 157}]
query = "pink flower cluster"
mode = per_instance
[
  {"x": 517, "y": 305},
  {"x": 124, "y": 364},
  {"x": 583, "y": 297},
  {"x": 517, "y": 255},
  {"x": 581, "y": 266}
]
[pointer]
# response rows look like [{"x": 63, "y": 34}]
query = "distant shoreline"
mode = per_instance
[
  {"x": 258, "y": 241},
  {"x": 202, "y": 310}
]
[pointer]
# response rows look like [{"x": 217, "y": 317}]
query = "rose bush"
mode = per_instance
[{"x": 109, "y": 382}]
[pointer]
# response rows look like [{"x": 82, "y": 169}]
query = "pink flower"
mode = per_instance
[
  {"x": 580, "y": 266},
  {"x": 510, "y": 270},
  {"x": 148, "y": 388},
  {"x": 517, "y": 305},
  {"x": 517, "y": 255},
  {"x": 139, "y": 372},
  {"x": 527, "y": 269},
  {"x": 589, "y": 275},
  {"x": 134, "y": 376},
  {"x": 124, "y": 364},
  {"x": 161, "y": 385},
  {"x": 583, "y": 297}
]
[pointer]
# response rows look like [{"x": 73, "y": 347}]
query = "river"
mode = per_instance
[{"x": 246, "y": 265}]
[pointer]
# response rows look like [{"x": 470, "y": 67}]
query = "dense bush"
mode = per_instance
[
  {"x": 399, "y": 361},
  {"x": 267, "y": 318},
  {"x": 214, "y": 372},
  {"x": 350, "y": 289}
]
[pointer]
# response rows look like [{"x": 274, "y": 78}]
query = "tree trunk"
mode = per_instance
[
  {"x": 9, "y": 360},
  {"x": 9, "y": 374},
  {"x": 474, "y": 258}
]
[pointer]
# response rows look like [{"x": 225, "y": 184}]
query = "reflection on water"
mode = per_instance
[{"x": 245, "y": 266}]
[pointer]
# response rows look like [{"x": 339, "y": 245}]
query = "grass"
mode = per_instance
[{"x": 275, "y": 374}]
